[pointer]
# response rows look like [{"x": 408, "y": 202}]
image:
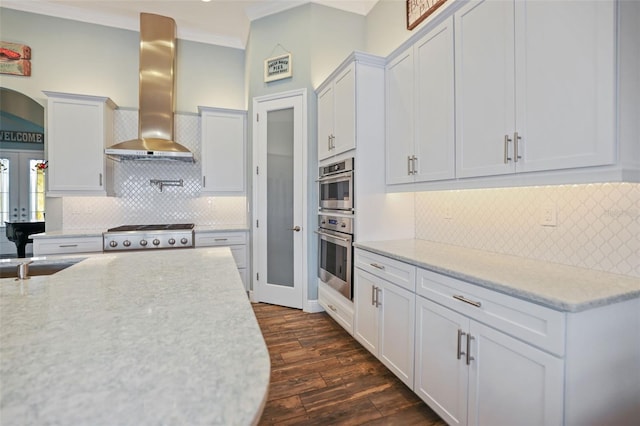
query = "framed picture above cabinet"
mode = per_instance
[{"x": 419, "y": 10}]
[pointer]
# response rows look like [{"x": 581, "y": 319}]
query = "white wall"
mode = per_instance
[{"x": 74, "y": 57}]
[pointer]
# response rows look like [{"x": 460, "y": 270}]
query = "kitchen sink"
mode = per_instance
[{"x": 10, "y": 270}]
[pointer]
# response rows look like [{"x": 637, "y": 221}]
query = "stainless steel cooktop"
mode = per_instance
[{"x": 148, "y": 237}]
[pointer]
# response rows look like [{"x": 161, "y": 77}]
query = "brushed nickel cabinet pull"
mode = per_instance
[
  {"x": 378, "y": 291},
  {"x": 100, "y": 179},
  {"x": 506, "y": 149},
  {"x": 204, "y": 181},
  {"x": 516, "y": 138},
  {"x": 332, "y": 308},
  {"x": 67, "y": 245},
  {"x": 460, "y": 334},
  {"x": 469, "y": 357},
  {"x": 465, "y": 300},
  {"x": 409, "y": 172},
  {"x": 414, "y": 169},
  {"x": 375, "y": 265},
  {"x": 220, "y": 239}
]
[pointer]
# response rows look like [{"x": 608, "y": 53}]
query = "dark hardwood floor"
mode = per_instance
[{"x": 320, "y": 375}]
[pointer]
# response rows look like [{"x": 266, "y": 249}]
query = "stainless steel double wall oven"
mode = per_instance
[{"x": 335, "y": 226}]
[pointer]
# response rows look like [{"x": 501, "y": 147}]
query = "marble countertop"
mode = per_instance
[
  {"x": 560, "y": 287},
  {"x": 70, "y": 233},
  {"x": 136, "y": 338}
]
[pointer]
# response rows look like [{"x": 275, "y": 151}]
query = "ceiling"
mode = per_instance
[{"x": 220, "y": 22}]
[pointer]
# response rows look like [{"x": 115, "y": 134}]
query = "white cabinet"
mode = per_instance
[
  {"x": 420, "y": 144},
  {"x": 79, "y": 128},
  {"x": 336, "y": 305},
  {"x": 385, "y": 316},
  {"x": 535, "y": 86},
  {"x": 66, "y": 245},
  {"x": 237, "y": 243},
  {"x": 223, "y": 139},
  {"x": 473, "y": 374},
  {"x": 337, "y": 114}
]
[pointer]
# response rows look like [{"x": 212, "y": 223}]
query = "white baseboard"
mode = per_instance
[{"x": 312, "y": 306}]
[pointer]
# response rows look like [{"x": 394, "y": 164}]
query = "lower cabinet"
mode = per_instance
[
  {"x": 384, "y": 322},
  {"x": 236, "y": 241},
  {"x": 66, "y": 245},
  {"x": 336, "y": 305},
  {"x": 473, "y": 374}
]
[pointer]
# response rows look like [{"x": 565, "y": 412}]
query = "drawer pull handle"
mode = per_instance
[
  {"x": 220, "y": 239},
  {"x": 375, "y": 265},
  {"x": 67, "y": 245},
  {"x": 460, "y": 334},
  {"x": 465, "y": 300},
  {"x": 333, "y": 308}
]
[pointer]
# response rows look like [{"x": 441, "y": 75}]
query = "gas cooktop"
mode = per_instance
[{"x": 145, "y": 237}]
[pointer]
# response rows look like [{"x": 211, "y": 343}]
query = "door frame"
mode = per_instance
[{"x": 256, "y": 258}]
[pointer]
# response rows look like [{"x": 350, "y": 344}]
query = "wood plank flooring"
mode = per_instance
[{"x": 320, "y": 375}]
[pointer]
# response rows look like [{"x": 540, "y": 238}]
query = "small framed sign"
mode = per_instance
[
  {"x": 418, "y": 10},
  {"x": 277, "y": 68}
]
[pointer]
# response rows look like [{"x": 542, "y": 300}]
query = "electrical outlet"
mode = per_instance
[
  {"x": 548, "y": 215},
  {"x": 447, "y": 211}
]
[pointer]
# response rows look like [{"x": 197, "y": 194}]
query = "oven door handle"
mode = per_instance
[
  {"x": 337, "y": 177},
  {"x": 324, "y": 234}
]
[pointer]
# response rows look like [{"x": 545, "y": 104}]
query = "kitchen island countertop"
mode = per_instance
[
  {"x": 560, "y": 287},
  {"x": 161, "y": 337}
]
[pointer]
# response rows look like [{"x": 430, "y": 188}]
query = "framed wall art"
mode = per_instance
[
  {"x": 277, "y": 68},
  {"x": 419, "y": 10}
]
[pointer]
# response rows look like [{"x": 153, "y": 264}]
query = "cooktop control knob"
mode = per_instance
[
  {"x": 184, "y": 241},
  {"x": 143, "y": 243},
  {"x": 156, "y": 242},
  {"x": 172, "y": 241},
  {"x": 113, "y": 243},
  {"x": 126, "y": 243}
]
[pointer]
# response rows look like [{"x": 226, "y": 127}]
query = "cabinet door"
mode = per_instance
[
  {"x": 325, "y": 122},
  {"x": 484, "y": 64},
  {"x": 565, "y": 77},
  {"x": 396, "y": 327},
  {"x": 344, "y": 117},
  {"x": 434, "y": 74},
  {"x": 441, "y": 379},
  {"x": 365, "y": 327},
  {"x": 399, "y": 118},
  {"x": 223, "y": 152},
  {"x": 76, "y": 137},
  {"x": 511, "y": 382}
]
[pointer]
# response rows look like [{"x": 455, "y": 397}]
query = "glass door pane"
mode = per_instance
[
  {"x": 4, "y": 190},
  {"x": 280, "y": 214}
]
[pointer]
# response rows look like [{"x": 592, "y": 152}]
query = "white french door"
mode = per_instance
[{"x": 279, "y": 249}]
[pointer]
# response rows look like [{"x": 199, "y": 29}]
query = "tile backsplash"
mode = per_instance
[
  {"x": 137, "y": 201},
  {"x": 597, "y": 225}
]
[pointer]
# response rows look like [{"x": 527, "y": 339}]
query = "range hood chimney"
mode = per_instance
[{"x": 157, "y": 88}]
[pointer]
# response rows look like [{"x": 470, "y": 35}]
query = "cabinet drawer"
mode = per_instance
[
  {"x": 394, "y": 271},
  {"x": 340, "y": 310},
  {"x": 209, "y": 239},
  {"x": 534, "y": 324},
  {"x": 66, "y": 245}
]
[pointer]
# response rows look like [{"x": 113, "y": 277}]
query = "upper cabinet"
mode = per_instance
[
  {"x": 515, "y": 92},
  {"x": 342, "y": 106},
  {"x": 420, "y": 143},
  {"x": 535, "y": 86},
  {"x": 337, "y": 114},
  {"x": 223, "y": 162},
  {"x": 78, "y": 129}
]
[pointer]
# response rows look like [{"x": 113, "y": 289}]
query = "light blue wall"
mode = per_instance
[
  {"x": 319, "y": 39},
  {"x": 75, "y": 57}
]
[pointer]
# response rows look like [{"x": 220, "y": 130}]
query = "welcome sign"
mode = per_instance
[{"x": 21, "y": 137}]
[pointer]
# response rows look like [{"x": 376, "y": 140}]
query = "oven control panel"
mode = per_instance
[
  {"x": 336, "y": 223},
  {"x": 114, "y": 241}
]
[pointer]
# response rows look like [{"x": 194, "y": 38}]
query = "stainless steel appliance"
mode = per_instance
[
  {"x": 148, "y": 237},
  {"x": 335, "y": 184},
  {"x": 335, "y": 252}
]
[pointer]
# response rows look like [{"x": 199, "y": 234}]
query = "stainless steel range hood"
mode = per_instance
[{"x": 157, "y": 88}]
